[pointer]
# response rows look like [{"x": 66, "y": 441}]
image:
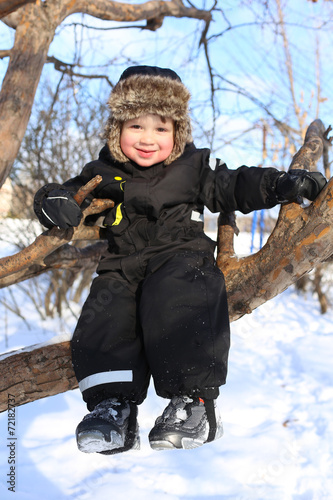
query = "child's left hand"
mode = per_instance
[{"x": 298, "y": 184}]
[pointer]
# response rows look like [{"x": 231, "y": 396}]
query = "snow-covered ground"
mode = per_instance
[{"x": 277, "y": 409}]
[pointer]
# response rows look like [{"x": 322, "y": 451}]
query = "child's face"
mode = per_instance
[{"x": 148, "y": 139}]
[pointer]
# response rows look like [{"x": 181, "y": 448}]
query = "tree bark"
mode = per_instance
[
  {"x": 301, "y": 239},
  {"x": 27, "y": 58},
  {"x": 323, "y": 301},
  {"x": 64, "y": 257},
  {"x": 36, "y": 372}
]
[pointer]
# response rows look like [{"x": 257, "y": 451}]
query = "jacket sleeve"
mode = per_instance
[{"x": 244, "y": 189}]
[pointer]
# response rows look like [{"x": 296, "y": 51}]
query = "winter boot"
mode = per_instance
[
  {"x": 110, "y": 428},
  {"x": 186, "y": 423}
]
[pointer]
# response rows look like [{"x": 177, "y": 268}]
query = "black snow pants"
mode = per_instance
[{"x": 169, "y": 323}]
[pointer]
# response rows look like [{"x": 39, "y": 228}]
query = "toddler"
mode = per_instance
[{"x": 158, "y": 306}]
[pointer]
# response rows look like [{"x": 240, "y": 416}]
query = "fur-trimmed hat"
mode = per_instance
[{"x": 149, "y": 90}]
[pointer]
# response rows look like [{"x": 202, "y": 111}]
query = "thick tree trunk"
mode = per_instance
[{"x": 27, "y": 58}]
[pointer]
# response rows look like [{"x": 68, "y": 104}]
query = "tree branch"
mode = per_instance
[
  {"x": 284, "y": 128},
  {"x": 111, "y": 10},
  {"x": 8, "y": 6},
  {"x": 289, "y": 66},
  {"x": 54, "y": 238},
  {"x": 65, "y": 257},
  {"x": 5, "y": 53},
  {"x": 301, "y": 239},
  {"x": 35, "y": 372},
  {"x": 68, "y": 69},
  {"x": 315, "y": 143}
]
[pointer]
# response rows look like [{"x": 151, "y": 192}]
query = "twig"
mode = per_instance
[
  {"x": 4, "y": 53},
  {"x": 67, "y": 68}
]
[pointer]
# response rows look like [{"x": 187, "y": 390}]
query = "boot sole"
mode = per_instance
[
  {"x": 175, "y": 442},
  {"x": 185, "y": 444},
  {"x": 94, "y": 441}
]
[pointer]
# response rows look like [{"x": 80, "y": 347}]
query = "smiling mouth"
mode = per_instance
[{"x": 145, "y": 153}]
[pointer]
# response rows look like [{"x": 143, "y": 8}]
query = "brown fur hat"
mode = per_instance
[{"x": 149, "y": 90}]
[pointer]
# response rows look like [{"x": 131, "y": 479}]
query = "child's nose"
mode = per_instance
[{"x": 147, "y": 137}]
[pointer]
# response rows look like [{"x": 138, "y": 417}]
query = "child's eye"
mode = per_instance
[
  {"x": 162, "y": 129},
  {"x": 135, "y": 126}
]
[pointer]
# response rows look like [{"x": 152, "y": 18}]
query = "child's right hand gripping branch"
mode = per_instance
[{"x": 60, "y": 209}]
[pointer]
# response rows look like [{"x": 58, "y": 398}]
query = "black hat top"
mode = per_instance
[{"x": 149, "y": 71}]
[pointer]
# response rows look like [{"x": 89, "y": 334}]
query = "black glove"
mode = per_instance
[
  {"x": 298, "y": 184},
  {"x": 61, "y": 210}
]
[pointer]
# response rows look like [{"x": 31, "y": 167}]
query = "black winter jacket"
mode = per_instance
[{"x": 160, "y": 207}]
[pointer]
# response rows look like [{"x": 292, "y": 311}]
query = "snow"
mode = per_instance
[{"x": 277, "y": 409}]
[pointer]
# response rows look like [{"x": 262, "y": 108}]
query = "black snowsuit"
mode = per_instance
[{"x": 158, "y": 306}]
